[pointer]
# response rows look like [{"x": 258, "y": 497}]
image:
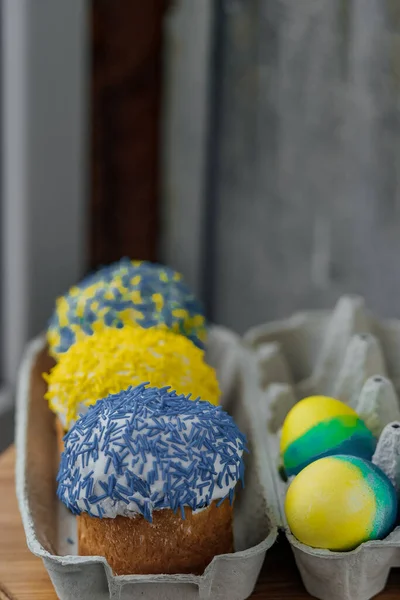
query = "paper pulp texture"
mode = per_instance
[
  {"x": 50, "y": 530},
  {"x": 350, "y": 355}
]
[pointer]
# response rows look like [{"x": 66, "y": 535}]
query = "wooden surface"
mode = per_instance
[
  {"x": 20, "y": 572},
  {"x": 25, "y": 577}
]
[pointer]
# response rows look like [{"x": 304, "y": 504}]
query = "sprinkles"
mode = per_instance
[
  {"x": 126, "y": 293},
  {"x": 130, "y": 454},
  {"x": 115, "y": 359}
]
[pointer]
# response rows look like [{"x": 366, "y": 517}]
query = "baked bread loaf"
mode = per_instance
[
  {"x": 169, "y": 544},
  {"x": 151, "y": 477},
  {"x": 60, "y": 432}
]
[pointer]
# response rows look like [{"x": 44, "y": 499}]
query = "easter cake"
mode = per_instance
[
  {"x": 151, "y": 477},
  {"x": 112, "y": 360},
  {"x": 126, "y": 293}
]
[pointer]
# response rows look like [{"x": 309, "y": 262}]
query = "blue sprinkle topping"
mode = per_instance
[{"x": 159, "y": 450}]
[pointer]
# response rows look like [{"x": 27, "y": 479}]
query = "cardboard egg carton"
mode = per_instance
[
  {"x": 350, "y": 355},
  {"x": 51, "y": 529}
]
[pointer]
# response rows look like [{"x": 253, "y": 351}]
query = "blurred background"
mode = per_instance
[{"x": 254, "y": 145}]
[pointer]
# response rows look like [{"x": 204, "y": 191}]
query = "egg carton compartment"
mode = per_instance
[
  {"x": 350, "y": 355},
  {"x": 51, "y": 530}
]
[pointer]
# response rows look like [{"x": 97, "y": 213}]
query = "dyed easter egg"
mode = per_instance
[
  {"x": 339, "y": 502},
  {"x": 319, "y": 426}
]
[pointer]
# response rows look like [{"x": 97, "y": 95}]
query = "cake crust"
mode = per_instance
[
  {"x": 60, "y": 432},
  {"x": 168, "y": 545}
]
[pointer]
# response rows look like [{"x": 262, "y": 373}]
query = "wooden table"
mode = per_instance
[{"x": 25, "y": 578}]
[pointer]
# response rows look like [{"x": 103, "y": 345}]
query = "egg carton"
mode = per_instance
[
  {"x": 350, "y": 355},
  {"x": 49, "y": 526}
]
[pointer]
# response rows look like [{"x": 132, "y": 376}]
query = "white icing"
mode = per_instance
[{"x": 112, "y": 507}]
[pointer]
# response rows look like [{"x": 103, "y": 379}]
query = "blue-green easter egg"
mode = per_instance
[
  {"x": 339, "y": 502},
  {"x": 319, "y": 426}
]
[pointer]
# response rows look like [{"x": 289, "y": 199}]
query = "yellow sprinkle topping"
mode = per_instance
[
  {"x": 109, "y": 295},
  {"x": 74, "y": 291},
  {"x": 130, "y": 315},
  {"x": 181, "y": 313},
  {"x": 111, "y": 360},
  {"x": 198, "y": 321},
  {"x": 53, "y": 337},
  {"x": 136, "y": 280},
  {"x": 94, "y": 306},
  {"x": 91, "y": 290},
  {"x": 136, "y": 297},
  {"x": 63, "y": 308},
  {"x": 158, "y": 300}
]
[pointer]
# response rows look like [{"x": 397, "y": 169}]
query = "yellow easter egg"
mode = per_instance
[{"x": 339, "y": 502}]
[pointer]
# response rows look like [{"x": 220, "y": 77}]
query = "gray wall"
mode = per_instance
[
  {"x": 45, "y": 60},
  {"x": 188, "y": 45},
  {"x": 44, "y": 122},
  {"x": 306, "y": 201}
]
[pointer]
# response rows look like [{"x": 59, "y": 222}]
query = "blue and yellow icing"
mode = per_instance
[
  {"x": 339, "y": 502},
  {"x": 124, "y": 293},
  {"x": 319, "y": 426}
]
